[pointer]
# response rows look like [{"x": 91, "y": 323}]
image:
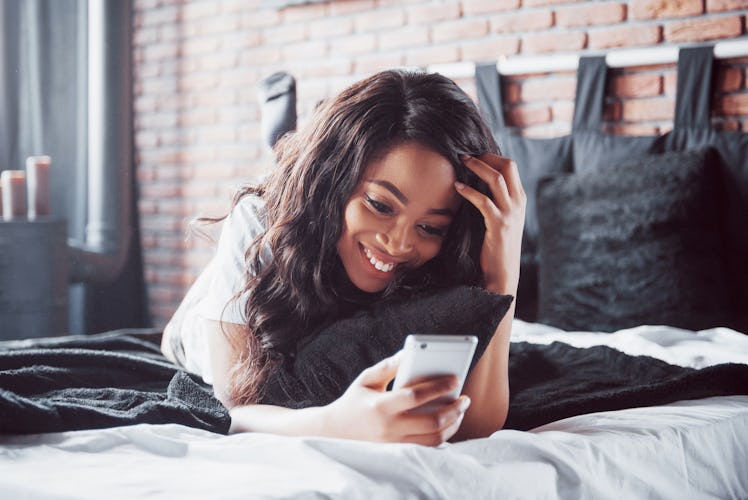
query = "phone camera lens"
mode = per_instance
[{"x": 423, "y": 346}]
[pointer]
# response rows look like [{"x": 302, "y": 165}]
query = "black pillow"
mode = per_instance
[
  {"x": 640, "y": 243},
  {"x": 327, "y": 362}
]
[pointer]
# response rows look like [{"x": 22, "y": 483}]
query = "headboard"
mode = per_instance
[{"x": 710, "y": 289}]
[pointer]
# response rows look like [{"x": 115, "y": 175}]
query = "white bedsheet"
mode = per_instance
[{"x": 689, "y": 449}]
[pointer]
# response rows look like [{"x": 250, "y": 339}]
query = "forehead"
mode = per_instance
[{"x": 420, "y": 173}]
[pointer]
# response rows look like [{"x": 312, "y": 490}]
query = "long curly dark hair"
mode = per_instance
[{"x": 318, "y": 169}]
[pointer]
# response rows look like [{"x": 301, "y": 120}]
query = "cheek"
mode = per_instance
[{"x": 430, "y": 249}]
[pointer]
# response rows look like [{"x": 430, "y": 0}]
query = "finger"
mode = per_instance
[
  {"x": 509, "y": 171},
  {"x": 378, "y": 376},
  {"x": 435, "y": 420},
  {"x": 485, "y": 205},
  {"x": 413, "y": 396},
  {"x": 493, "y": 176},
  {"x": 449, "y": 425}
]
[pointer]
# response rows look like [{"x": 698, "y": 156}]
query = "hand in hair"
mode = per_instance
[
  {"x": 504, "y": 216},
  {"x": 367, "y": 411}
]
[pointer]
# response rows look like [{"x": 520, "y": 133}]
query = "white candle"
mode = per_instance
[
  {"x": 14, "y": 193},
  {"x": 37, "y": 185}
]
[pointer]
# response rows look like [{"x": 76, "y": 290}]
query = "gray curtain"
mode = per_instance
[{"x": 43, "y": 110}]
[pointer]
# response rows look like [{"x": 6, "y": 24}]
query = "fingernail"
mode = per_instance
[
  {"x": 459, "y": 185},
  {"x": 464, "y": 404},
  {"x": 465, "y": 157}
]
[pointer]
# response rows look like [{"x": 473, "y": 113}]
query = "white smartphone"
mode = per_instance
[{"x": 426, "y": 356}]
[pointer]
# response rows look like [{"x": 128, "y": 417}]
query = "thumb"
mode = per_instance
[{"x": 379, "y": 375}]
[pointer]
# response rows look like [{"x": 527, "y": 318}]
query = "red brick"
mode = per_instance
[
  {"x": 512, "y": 92},
  {"x": 471, "y": 7},
  {"x": 636, "y": 85},
  {"x": 342, "y": 7},
  {"x": 261, "y": 18},
  {"x": 328, "y": 67},
  {"x": 725, "y": 5},
  {"x": 305, "y": 12},
  {"x": 286, "y": 33},
  {"x": 305, "y": 50},
  {"x": 711, "y": 28},
  {"x": 199, "y": 46},
  {"x": 460, "y": 29},
  {"x": 355, "y": 44},
  {"x": 546, "y": 131},
  {"x": 261, "y": 56},
  {"x": 663, "y": 9},
  {"x": 431, "y": 13},
  {"x": 670, "y": 82},
  {"x": 625, "y": 35},
  {"x": 540, "y": 3},
  {"x": 218, "y": 25},
  {"x": 591, "y": 15},
  {"x": 634, "y": 129},
  {"x": 158, "y": 16},
  {"x": 377, "y": 20},
  {"x": 554, "y": 41},
  {"x": 407, "y": 37},
  {"x": 145, "y": 36},
  {"x": 733, "y": 105},
  {"x": 522, "y": 21},
  {"x": 330, "y": 27},
  {"x": 373, "y": 63},
  {"x": 160, "y": 51},
  {"x": 423, "y": 57},
  {"x": 648, "y": 109},
  {"x": 612, "y": 111},
  {"x": 548, "y": 88},
  {"x": 525, "y": 116},
  {"x": 727, "y": 125},
  {"x": 489, "y": 48},
  {"x": 156, "y": 191},
  {"x": 196, "y": 10},
  {"x": 729, "y": 79},
  {"x": 562, "y": 111}
]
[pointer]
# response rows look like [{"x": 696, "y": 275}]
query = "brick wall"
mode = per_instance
[{"x": 197, "y": 64}]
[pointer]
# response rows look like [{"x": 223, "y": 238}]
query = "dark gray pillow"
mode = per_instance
[
  {"x": 640, "y": 243},
  {"x": 327, "y": 362}
]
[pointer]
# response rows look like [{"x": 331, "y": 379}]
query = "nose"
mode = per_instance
[{"x": 398, "y": 239}]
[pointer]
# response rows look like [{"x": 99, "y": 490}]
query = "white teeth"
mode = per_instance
[{"x": 378, "y": 264}]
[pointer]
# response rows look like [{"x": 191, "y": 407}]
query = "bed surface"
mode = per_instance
[{"x": 687, "y": 449}]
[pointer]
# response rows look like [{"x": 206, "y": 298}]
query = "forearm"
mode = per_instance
[
  {"x": 488, "y": 385},
  {"x": 278, "y": 420}
]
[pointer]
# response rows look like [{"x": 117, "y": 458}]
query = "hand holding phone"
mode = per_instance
[{"x": 427, "y": 356}]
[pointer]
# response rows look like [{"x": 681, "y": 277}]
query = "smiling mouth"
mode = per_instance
[{"x": 385, "y": 267}]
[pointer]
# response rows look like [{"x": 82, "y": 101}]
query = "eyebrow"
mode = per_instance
[{"x": 404, "y": 199}]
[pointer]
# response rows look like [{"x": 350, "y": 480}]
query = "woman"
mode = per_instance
[{"x": 394, "y": 186}]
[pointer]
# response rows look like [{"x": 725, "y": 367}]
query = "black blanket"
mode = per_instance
[
  {"x": 119, "y": 378},
  {"x": 97, "y": 381}
]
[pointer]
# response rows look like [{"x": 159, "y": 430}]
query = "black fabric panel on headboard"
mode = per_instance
[
  {"x": 536, "y": 159},
  {"x": 588, "y": 148},
  {"x": 692, "y": 130},
  {"x": 594, "y": 149}
]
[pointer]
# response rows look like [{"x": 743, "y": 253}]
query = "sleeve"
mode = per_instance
[{"x": 227, "y": 268}]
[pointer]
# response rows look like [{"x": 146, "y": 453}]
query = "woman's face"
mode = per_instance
[{"x": 398, "y": 215}]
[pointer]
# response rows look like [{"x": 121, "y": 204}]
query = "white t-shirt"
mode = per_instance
[{"x": 210, "y": 297}]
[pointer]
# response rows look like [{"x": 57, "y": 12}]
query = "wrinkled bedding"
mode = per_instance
[{"x": 692, "y": 448}]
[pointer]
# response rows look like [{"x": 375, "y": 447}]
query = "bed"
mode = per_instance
[
  {"x": 606, "y": 401},
  {"x": 692, "y": 448}
]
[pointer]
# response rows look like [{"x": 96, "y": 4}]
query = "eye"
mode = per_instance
[
  {"x": 378, "y": 206},
  {"x": 432, "y": 230}
]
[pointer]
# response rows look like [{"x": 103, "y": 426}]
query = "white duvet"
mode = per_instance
[{"x": 690, "y": 449}]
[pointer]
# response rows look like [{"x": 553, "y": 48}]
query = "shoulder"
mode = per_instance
[
  {"x": 246, "y": 219},
  {"x": 250, "y": 209}
]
